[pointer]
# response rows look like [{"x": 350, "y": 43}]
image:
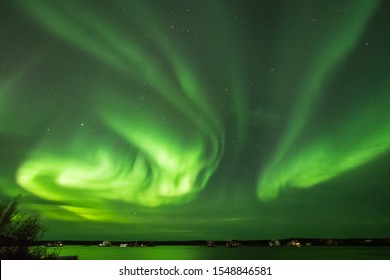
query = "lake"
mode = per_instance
[{"x": 223, "y": 253}]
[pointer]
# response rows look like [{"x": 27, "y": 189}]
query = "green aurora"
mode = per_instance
[{"x": 180, "y": 120}]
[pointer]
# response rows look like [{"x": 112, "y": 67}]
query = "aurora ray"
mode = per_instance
[
  {"x": 336, "y": 47},
  {"x": 168, "y": 163}
]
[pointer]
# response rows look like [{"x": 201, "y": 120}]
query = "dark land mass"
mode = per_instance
[{"x": 282, "y": 242}]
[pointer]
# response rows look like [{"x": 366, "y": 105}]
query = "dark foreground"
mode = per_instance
[{"x": 223, "y": 253}]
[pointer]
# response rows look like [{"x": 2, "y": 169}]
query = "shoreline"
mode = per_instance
[{"x": 259, "y": 243}]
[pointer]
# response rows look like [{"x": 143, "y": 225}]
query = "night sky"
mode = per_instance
[{"x": 198, "y": 119}]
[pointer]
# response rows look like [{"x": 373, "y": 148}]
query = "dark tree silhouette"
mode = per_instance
[{"x": 20, "y": 233}]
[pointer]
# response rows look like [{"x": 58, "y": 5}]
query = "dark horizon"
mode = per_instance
[{"x": 322, "y": 241}]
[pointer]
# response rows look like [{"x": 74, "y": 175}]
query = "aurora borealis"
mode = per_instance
[{"x": 197, "y": 119}]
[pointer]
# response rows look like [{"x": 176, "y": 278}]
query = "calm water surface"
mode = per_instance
[{"x": 222, "y": 253}]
